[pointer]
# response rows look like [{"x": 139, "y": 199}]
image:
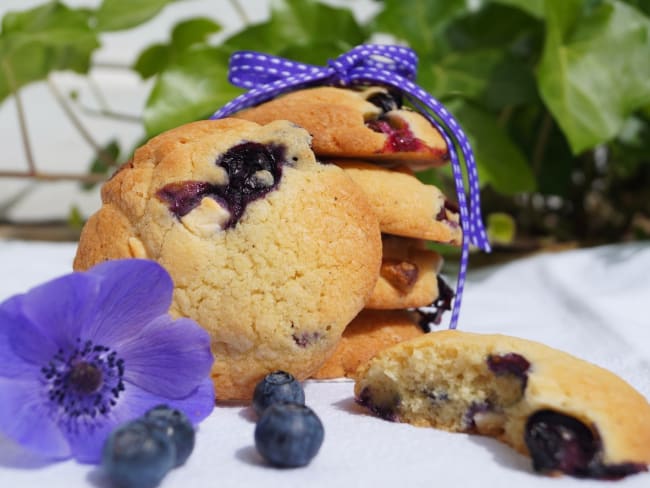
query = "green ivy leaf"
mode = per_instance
[
  {"x": 35, "y": 42},
  {"x": 533, "y": 7},
  {"x": 500, "y": 162},
  {"x": 299, "y": 23},
  {"x": 594, "y": 72},
  {"x": 421, "y": 23},
  {"x": 489, "y": 76},
  {"x": 152, "y": 60},
  {"x": 505, "y": 27},
  {"x": 191, "y": 88},
  {"x": 113, "y": 15},
  {"x": 193, "y": 31},
  {"x": 184, "y": 36}
]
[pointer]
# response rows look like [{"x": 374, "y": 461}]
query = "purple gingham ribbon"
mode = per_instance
[{"x": 268, "y": 76}]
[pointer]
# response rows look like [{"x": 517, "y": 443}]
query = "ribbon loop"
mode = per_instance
[{"x": 268, "y": 76}]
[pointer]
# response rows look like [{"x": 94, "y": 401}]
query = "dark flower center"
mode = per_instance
[
  {"x": 85, "y": 377},
  {"x": 84, "y": 381}
]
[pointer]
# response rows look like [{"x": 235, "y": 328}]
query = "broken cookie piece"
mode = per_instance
[{"x": 568, "y": 415}]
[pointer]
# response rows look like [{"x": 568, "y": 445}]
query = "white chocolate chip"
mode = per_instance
[
  {"x": 206, "y": 219},
  {"x": 264, "y": 178},
  {"x": 489, "y": 423},
  {"x": 136, "y": 248}
]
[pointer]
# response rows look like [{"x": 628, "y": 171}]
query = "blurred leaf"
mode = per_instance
[
  {"x": 294, "y": 23},
  {"x": 594, "y": 72},
  {"x": 184, "y": 36},
  {"x": 642, "y": 5},
  {"x": 489, "y": 76},
  {"x": 421, "y": 23},
  {"x": 152, "y": 60},
  {"x": 497, "y": 26},
  {"x": 43, "y": 39},
  {"x": 500, "y": 162},
  {"x": 501, "y": 228},
  {"x": 533, "y": 7},
  {"x": 75, "y": 218},
  {"x": 464, "y": 74},
  {"x": 193, "y": 31},
  {"x": 115, "y": 15},
  {"x": 191, "y": 88},
  {"x": 100, "y": 165}
]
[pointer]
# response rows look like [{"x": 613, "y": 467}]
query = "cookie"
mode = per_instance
[
  {"x": 370, "y": 124},
  {"x": 370, "y": 332},
  {"x": 270, "y": 251},
  {"x": 408, "y": 275},
  {"x": 568, "y": 415},
  {"x": 404, "y": 205}
]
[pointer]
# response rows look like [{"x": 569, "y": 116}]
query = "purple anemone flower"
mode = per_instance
[{"x": 88, "y": 351}]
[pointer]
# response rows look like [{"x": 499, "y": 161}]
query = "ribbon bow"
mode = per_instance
[{"x": 268, "y": 76}]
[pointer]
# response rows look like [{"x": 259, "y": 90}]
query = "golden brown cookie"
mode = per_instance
[
  {"x": 370, "y": 332},
  {"x": 569, "y": 415},
  {"x": 404, "y": 205},
  {"x": 270, "y": 251},
  {"x": 368, "y": 124},
  {"x": 408, "y": 275}
]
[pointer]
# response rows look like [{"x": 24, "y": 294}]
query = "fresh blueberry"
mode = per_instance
[
  {"x": 137, "y": 455},
  {"x": 175, "y": 425},
  {"x": 288, "y": 435},
  {"x": 276, "y": 387}
]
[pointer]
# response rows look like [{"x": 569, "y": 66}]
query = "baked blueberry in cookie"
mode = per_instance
[
  {"x": 252, "y": 171},
  {"x": 570, "y": 416},
  {"x": 272, "y": 252},
  {"x": 369, "y": 123}
]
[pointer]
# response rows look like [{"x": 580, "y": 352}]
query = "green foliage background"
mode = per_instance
[{"x": 554, "y": 94}]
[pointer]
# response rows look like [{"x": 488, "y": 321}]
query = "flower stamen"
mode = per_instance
[{"x": 84, "y": 382}]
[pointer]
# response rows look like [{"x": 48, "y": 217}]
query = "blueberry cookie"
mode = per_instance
[
  {"x": 404, "y": 205},
  {"x": 270, "y": 251},
  {"x": 370, "y": 332},
  {"x": 408, "y": 275},
  {"x": 568, "y": 415},
  {"x": 371, "y": 124}
]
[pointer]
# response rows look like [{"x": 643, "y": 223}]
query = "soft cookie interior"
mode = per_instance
[{"x": 569, "y": 415}]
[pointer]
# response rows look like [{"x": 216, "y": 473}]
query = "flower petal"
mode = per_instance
[
  {"x": 88, "y": 441},
  {"x": 25, "y": 418},
  {"x": 133, "y": 292},
  {"x": 169, "y": 358},
  {"x": 51, "y": 315},
  {"x": 13, "y": 366}
]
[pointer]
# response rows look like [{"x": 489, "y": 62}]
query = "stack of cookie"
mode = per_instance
[
  {"x": 272, "y": 252},
  {"x": 379, "y": 144},
  {"x": 296, "y": 238}
]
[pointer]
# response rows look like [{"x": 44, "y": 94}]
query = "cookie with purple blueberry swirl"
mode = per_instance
[
  {"x": 568, "y": 415},
  {"x": 272, "y": 252},
  {"x": 370, "y": 123}
]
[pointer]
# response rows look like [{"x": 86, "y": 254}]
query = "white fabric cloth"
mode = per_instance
[{"x": 591, "y": 303}]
